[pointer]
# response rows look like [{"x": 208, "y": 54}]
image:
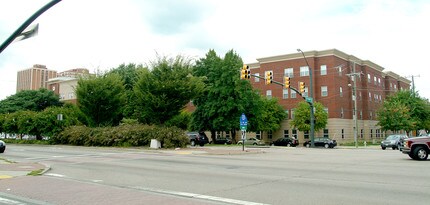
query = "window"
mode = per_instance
[
  {"x": 305, "y": 94},
  {"x": 343, "y": 133},
  {"x": 257, "y": 79},
  {"x": 285, "y": 93},
  {"x": 289, "y": 72},
  {"x": 374, "y": 80},
  {"x": 368, "y": 78},
  {"x": 339, "y": 70},
  {"x": 341, "y": 112},
  {"x": 324, "y": 91},
  {"x": 379, "y": 81},
  {"x": 258, "y": 135},
  {"x": 370, "y": 96},
  {"x": 340, "y": 92},
  {"x": 71, "y": 95},
  {"x": 326, "y": 133},
  {"x": 326, "y": 109},
  {"x": 269, "y": 134},
  {"x": 361, "y": 133},
  {"x": 395, "y": 87},
  {"x": 371, "y": 115},
  {"x": 306, "y": 133},
  {"x": 294, "y": 132},
  {"x": 371, "y": 133},
  {"x": 304, "y": 71},
  {"x": 323, "y": 69},
  {"x": 293, "y": 94},
  {"x": 287, "y": 112},
  {"x": 269, "y": 94},
  {"x": 361, "y": 114},
  {"x": 286, "y": 134}
]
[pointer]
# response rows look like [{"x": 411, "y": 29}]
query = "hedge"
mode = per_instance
[{"x": 122, "y": 136}]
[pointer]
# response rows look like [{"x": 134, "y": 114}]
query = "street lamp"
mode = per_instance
[{"x": 311, "y": 101}]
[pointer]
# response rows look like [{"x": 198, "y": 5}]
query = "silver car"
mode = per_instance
[
  {"x": 393, "y": 141},
  {"x": 252, "y": 141}
]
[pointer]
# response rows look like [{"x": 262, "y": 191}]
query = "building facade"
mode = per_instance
[
  {"x": 333, "y": 76},
  {"x": 65, "y": 88},
  {"x": 34, "y": 78}
]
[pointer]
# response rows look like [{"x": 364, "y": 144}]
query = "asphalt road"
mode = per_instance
[{"x": 277, "y": 176}]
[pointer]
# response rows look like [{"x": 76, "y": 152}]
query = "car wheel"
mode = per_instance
[
  {"x": 326, "y": 146},
  {"x": 193, "y": 143},
  {"x": 394, "y": 148},
  {"x": 288, "y": 145},
  {"x": 239, "y": 143},
  {"x": 420, "y": 153},
  {"x": 254, "y": 143},
  {"x": 308, "y": 145},
  {"x": 383, "y": 148}
]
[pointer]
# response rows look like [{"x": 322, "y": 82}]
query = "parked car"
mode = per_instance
[
  {"x": 417, "y": 148},
  {"x": 393, "y": 141},
  {"x": 2, "y": 146},
  {"x": 199, "y": 138},
  {"x": 252, "y": 141},
  {"x": 224, "y": 140},
  {"x": 286, "y": 141},
  {"x": 321, "y": 142}
]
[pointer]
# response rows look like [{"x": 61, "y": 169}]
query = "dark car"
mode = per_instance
[
  {"x": 199, "y": 138},
  {"x": 321, "y": 142},
  {"x": 417, "y": 148},
  {"x": 286, "y": 141},
  {"x": 2, "y": 146},
  {"x": 221, "y": 140},
  {"x": 393, "y": 141}
]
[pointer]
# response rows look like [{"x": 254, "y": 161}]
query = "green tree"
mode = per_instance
[
  {"x": 34, "y": 100},
  {"x": 302, "y": 115},
  {"x": 404, "y": 110},
  {"x": 162, "y": 92},
  {"x": 270, "y": 115},
  {"x": 101, "y": 99},
  {"x": 226, "y": 97},
  {"x": 129, "y": 74},
  {"x": 53, "y": 120}
]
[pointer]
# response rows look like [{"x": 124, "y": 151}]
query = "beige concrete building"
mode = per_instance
[
  {"x": 34, "y": 78},
  {"x": 64, "y": 87}
]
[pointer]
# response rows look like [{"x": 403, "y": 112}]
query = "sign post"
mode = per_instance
[{"x": 243, "y": 126}]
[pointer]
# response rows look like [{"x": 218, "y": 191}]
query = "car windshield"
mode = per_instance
[{"x": 392, "y": 137}]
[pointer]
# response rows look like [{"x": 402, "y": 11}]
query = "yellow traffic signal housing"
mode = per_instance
[
  {"x": 287, "y": 82},
  {"x": 269, "y": 77},
  {"x": 245, "y": 73},
  {"x": 302, "y": 87}
]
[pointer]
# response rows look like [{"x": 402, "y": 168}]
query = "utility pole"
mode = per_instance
[
  {"x": 413, "y": 83},
  {"x": 311, "y": 102},
  {"x": 353, "y": 76}
]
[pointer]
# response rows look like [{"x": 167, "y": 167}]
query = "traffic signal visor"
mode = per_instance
[
  {"x": 302, "y": 87},
  {"x": 287, "y": 82},
  {"x": 269, "y": 77}
]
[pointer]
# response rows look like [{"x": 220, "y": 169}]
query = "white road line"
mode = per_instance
[
  {"x": 9, "y": 201},
  {"x": 55, "y": 175},
  {"x": 199, "y": 196}
]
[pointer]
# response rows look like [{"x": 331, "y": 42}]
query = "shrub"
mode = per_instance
[{"x": 123, "y": 135}]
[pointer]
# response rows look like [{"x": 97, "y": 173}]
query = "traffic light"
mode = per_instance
[
  {"x": 287, "y": 82},
  {"x": 302, "y": 87},
  {"x": 245, "y": 73},
  {"x": 269, "y": 77}
]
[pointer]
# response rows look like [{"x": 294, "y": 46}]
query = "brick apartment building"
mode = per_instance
[
  {"x": 34, "y": 78},
  {"x": 332, "y": 87}
]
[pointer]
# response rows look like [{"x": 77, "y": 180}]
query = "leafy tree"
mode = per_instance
[
  {"x": 129, "y": 75},
  {"x": 34, "y": 100},
  {"x": 404, "y": 110},
  {"x": 165, "y": 90},
  {"x": 270, "y": 115},
  {"x": 101, "y": 98},
  {"x": 53, "y": 120},
  {"x": 181, "y": 121},
  {"x": 226, "y": 97},
  {"x": 302, "y": 115}
]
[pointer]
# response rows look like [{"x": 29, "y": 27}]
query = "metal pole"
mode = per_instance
[
  {"x": 27, "y": 23},
  {"x": 311, "y": 104},
  {"x": 355, "y": 107}
]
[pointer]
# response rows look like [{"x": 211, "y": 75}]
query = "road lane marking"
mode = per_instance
[
  {"x": 198, "y": 196},
  {"x": 55, "y": 175},
  {"x": 5, "y": 176},
  {"x": 10, "y": 201}
]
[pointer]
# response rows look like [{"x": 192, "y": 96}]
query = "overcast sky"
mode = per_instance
[{"x": 102, "y": 34}]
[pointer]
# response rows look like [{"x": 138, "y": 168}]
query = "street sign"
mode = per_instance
[
  {"x": 309, "y": 99},
  {"x": 243, "y": 122}
]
